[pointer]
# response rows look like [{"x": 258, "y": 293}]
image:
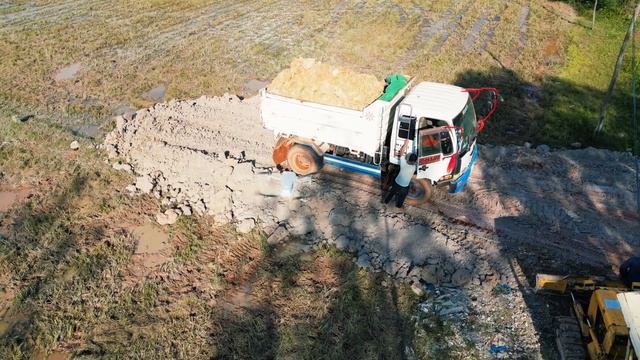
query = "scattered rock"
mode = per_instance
[
  {"x": 543, "y": 149},
  {"x": 199, "y": 207},
  {"x": 22, "y": 118},
  {"x": 245, "y": 226},
  {"x": 75, "y": 145},
  {"x": 186, "y": 210},
  {"x": 278, "y": 235},
  {"x": 301, "y": 225},
  {"x": 123, "y": 166},
  {"x": 461, "y": 277},
  {"x": 144, "y": 184},
  {"x": 364, "y": 261},
  {"x": 417, "y": 289},
  {"x": 342, "y": 242},
  {"x": 167, "y": 218}
]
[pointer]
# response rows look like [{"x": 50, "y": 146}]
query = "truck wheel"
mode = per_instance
[
  {"x": 303, "y": 160},
  {"x": 420, "y": 192}
]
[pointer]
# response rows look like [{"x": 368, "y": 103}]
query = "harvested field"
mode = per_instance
[{"x": 79, "y": 63}]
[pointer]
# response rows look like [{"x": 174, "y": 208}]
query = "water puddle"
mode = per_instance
[
  {"x": 253, "y": 86},
  {"x": 9, "y": 198},
  {"x": 67, "y": 72},
  {"x": 152, "y": 242},
  {"x": 156, "y": 94}
]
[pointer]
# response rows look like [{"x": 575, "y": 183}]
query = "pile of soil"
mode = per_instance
[{"x": 314, "y": 81}]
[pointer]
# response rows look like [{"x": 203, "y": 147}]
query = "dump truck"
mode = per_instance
[{"x": 439, "y": 121}]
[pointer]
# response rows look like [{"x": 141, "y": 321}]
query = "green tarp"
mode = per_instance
[{"x": 395, "y": 83}]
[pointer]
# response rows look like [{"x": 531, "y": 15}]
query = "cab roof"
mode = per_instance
[{"x": 435, "y": 101}]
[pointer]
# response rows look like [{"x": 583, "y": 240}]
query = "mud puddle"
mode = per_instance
[
  {"x": 8, "y": 199},
  {"x": 152, "y": 244}
]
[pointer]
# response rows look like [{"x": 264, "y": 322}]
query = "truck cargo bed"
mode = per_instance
[{"x": 357, "y": 130}]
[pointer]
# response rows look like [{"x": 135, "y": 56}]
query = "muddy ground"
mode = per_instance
[{"x": 524, "y": 211}]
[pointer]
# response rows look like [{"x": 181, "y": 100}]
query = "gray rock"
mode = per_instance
[
  {"x": 527, "y": 145},
  {"x": 301, "y": 225},
  {"x": 278, "y": 235},
  {"x": 543, "y": 149},
  {"x": 123, "y": 166},
  {"x": 21, "y": 118},
  {"x": 461, "y": 277},
  {"x": 429, "y": 274},
  {"x": 576, "y": 145},
  {"x": 186, "y": 210},
  {"x": 144, "y": 184},
  {"x": 245, "y": 226},
  {"x": 364, "y": 261},
  {"x": 342, "y": 242},
  {"x": 167, "y": 218},
  {"x": 75, "y": 145},
  {"x": 199, "y": 207}
]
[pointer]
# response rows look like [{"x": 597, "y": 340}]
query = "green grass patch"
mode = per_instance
[{"x": 577, "y": 92}]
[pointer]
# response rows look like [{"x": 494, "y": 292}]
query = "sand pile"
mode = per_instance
[{"x": 310, "y": 80}]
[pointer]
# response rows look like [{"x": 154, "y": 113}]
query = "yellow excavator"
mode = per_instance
[{"x": 610, "y": 326}]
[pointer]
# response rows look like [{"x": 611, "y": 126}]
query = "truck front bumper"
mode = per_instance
[{"x": 459, "y": 183}]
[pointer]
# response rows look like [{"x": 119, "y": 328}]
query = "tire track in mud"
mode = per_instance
[
  {"x": 450, "y": 220},
  {"x": 31, "y": 13},
  {"x": 451, "y": 27}
]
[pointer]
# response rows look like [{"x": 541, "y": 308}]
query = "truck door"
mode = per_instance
[{"x": 437, "y": 153}]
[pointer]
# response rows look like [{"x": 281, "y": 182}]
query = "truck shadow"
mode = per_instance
[
  {"x": 560, "y": 212},
  {"x": 554, "y": 111}
]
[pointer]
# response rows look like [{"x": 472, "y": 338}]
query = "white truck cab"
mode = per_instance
[{"x": 440, "y": 123}]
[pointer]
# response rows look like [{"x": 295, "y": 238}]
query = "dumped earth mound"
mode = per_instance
[
  {"x": 212, "y": 156},
  {"x": 560, "y": 211},
  {"x": 309, "y": 80}
]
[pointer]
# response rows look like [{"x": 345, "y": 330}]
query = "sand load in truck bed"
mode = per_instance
[{"x": 309, "y": 80}]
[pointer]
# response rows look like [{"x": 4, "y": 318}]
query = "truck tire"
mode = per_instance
[
  {"x": 303, "y": 160},
  {"x": 420, "y": 192}
]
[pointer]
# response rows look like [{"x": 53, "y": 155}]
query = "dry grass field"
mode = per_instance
[
  {"x": 73, "y": 283},
  {"x": 83, "y": 61}
]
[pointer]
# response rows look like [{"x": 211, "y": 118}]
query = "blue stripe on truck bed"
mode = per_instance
[{"x": 352, "y": 165}]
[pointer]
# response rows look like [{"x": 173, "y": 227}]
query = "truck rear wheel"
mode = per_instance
[
  {"x": 420, "y": 192},
  {"x": 303, "y": 160}
]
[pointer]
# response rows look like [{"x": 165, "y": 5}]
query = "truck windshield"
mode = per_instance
[{"x": 467, "y": 120}]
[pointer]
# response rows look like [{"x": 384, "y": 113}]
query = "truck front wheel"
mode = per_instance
[
  {"x": 420, "y": 192},
  {"x": 303, "y": 160}
]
